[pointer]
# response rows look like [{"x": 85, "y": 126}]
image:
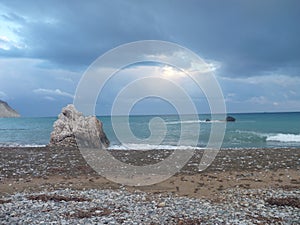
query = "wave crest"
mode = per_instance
[
  {"x": 284, "y": 138},
  {"x": 151, "y": 147},
  {"x": 194, "y": 121},
  {"x": 10, "y": 145}
]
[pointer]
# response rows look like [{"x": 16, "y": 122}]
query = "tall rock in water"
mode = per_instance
[
  {"x": 7, "y": 111},
  {"x": 73, "y": 129}
]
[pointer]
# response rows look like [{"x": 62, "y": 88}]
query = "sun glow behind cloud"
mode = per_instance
[
  {"x": 153, "y": 105},
  {"x": 170, "y": 72}
]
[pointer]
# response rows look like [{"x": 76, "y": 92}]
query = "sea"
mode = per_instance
[{"x": 250, "y": 130}]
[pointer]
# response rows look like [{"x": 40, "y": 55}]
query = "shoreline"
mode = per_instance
[
  {"x": 168, "y": 147},
  {"x": 50, "y": 167}
]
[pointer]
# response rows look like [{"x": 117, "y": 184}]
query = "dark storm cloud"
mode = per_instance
[
  {"x": 246, "y": 37},
  {"x": 78, "y": 32}
]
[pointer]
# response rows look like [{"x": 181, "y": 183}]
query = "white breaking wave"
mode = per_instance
[
  {"x": 21, "y": 145},
  {"x": 284, "y": 137},
  {"x": 194, "y": 121},
  {"x": 151, "y": 147}
]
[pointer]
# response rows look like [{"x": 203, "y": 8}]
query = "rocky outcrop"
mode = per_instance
[
  {"x": 7, "y": 111},
  {"x": 230, "y": 119},
  {"x": 73, "y": 129}
]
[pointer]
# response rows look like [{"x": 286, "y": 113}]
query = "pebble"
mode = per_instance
[
  {"x": 161, "y": 204},
  {"x": 238, "y": 206}
]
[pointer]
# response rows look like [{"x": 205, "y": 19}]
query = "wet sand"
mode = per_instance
[{"x": 45, "y": 168}]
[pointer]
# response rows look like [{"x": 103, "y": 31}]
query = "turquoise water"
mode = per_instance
[{"x": 253, "y": 130}]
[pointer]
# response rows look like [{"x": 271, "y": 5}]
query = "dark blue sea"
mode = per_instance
[{"x": 250, "y": 130}]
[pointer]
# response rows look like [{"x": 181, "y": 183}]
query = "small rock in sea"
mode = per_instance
[{"x": 230, "y": 119}]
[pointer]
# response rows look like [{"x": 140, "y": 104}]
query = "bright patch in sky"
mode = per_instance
[{"x": 168, "y": 71}]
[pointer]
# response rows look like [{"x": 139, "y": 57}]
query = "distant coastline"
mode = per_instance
[{"x": 6, "y": 111}]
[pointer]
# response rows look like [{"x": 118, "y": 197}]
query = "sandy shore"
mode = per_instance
[{"x": 36, "y": 169}]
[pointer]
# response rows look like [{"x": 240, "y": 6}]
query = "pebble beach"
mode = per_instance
[
  {"x": 123, "y": 207},
  {"x": 242, "y": 186}
]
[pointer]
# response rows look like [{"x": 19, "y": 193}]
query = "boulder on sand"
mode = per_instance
[{"x": 73, "y": 129}]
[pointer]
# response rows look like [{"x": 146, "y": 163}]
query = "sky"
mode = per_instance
[{"x": 253, "y": 47}]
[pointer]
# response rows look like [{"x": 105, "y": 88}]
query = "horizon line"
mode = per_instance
[{"x": 172, "y": 114}]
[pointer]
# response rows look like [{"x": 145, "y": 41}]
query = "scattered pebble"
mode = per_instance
[{"x": 235, "y": 206}]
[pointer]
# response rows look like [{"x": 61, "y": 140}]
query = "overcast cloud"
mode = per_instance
[{"x": 45, "y": 46}]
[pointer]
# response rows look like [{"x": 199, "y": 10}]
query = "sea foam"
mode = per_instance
[
  {"x": 21, "y": 145},
  {"x": 151, "y": 147},
  {"x": 194, "y": 121},
  {"x": 284, "y": 137}
]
